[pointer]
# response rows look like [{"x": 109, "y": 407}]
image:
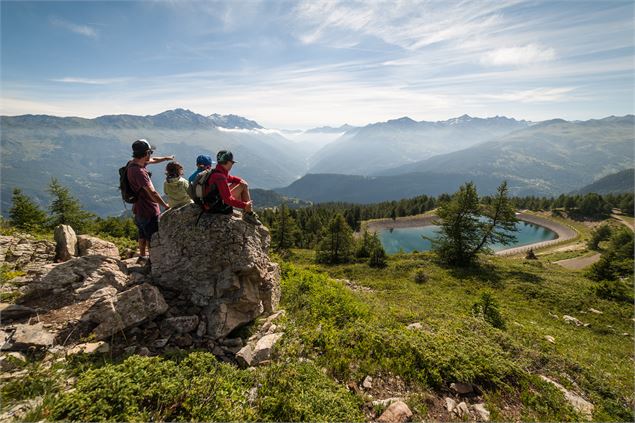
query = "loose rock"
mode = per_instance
[
  {"x": 462, "y": 388},
  {"x": 450, "y": 404},
  {"x": 462, "y": 410},
  {"x": 397, "y": 412},
  {"x": 89, "y": 348},
  {"x": 572, "y": 320},
  {"x": 481, "y": 412},
  {"x": 181, "y": 324},
  {"x": 367, "y": 383},
  {"x": 550, "y": 338},
  {"x": 581, "y": 405},
  {"x": 10, "y": 312},
  {"x": 26, "y": 336}
]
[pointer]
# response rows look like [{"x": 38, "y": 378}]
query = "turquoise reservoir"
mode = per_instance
[{"x": 410, "y": 239}]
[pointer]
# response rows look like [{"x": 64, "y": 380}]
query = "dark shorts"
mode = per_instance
[{"x": 147, "y": 226}]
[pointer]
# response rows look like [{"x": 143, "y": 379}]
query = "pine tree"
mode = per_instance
[
  {"x": 284, "y": 230},
  {"x": 365, "y": 244},
  {"x": 66, "y": 209},
  {"x": 377, "y": 253},
  {"x": 24, "y": 213},
  {"x": 467, "y": 228},
  {"x": 336, "y": 245}
]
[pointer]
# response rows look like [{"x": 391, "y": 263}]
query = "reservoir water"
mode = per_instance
[{"x": 410, "y": 239}]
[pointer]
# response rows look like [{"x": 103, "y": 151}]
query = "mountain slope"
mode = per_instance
[
  {"x": 614, "y": 183},
  {"x": 320, "y": 188},
  {"x": 84, "y": 154},
  {"x": 400, "y": 141},
  {"x": 545, "y": 159}
]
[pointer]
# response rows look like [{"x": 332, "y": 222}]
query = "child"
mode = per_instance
[
  {"x": 175, "y": 186},
  {"x": 202, "y": 162}
]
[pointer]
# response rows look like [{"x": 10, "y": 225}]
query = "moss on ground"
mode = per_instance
[{"x": 337, "y": 333}]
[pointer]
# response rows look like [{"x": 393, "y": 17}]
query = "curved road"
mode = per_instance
[{"x": 565, "y": 233}]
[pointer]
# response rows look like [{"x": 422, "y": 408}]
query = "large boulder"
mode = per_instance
[
  {"x": 90, "y": 245},
  {"x": 65, "y": 243},
  {"x": 129, "y": 308},
  {"x": 220, "y": 264}
]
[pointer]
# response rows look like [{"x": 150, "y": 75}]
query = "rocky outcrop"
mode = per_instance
[
  {"x": 219, "y": 266},
  {"x": 65, "y": 243},
  {"x": 24, "y": 252},
  {"x": 204, "y": 282},
  {"x": 90, "y": 245}
]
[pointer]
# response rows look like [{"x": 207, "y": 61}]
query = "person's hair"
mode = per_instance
[
  {"x": 139, "y": 154},
  {"x": 173, "y": 169}
]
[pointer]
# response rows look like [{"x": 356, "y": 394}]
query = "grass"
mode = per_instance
[
  {"x": 597, "y": 358},
  {"x": 335, "y": 336}
]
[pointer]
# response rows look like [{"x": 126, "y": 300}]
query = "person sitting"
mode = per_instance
[
  {"x": 175, "y": 186},
  {"x": 202, "y": 162},
  {"x": 233, "y": 191}
]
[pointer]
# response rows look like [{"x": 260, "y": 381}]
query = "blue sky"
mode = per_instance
[{"x": 304, "y": 64}]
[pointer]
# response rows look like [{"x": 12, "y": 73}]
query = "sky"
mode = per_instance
[{"x": 305, "y": 64}]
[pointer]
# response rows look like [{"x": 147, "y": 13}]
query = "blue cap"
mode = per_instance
[{"x": 204, "y": 160}]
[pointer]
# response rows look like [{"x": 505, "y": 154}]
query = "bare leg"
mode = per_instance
[
  {"x": 142, "y": 247},
  {"x": 241, "y": 192}
]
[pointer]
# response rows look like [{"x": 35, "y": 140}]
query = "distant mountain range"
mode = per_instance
[
  {"x": 330, "y": 130},
  {"x": 377, "y": 162},
  {"x": 546, "y": 158},
  {"x": 84, "y": 154},
  {"x": 320, "y": 188},
  {"x": 615, "y": 183},
  {"x": 385, "y": 145}
]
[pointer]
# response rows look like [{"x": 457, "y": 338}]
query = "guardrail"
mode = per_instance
[{"x": 565, "y": 234}]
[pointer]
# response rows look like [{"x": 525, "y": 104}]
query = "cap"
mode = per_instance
[
  {"x": 225, "y": 156},
  {"x": 204, "y": 160},
  {"x": 141, "y": 146}
]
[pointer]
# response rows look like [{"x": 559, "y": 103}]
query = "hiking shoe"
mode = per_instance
[
  {"x": 251, "y": 217},
  {"x": 143, "y": 259}
]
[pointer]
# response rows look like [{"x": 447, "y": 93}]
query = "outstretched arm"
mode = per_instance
[{"x": 160, "y": 159}]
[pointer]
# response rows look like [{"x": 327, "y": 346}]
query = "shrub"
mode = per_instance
[
  {"x": 614, "y": 290},
  {"x": 378, "y": 256},
  {"x": 420, "y": 276},
  {"x": 487, "y": 308}
]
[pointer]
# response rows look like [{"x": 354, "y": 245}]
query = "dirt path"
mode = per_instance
[
  {"x": 628, "y": 224},
  {"x": 579, "y": 263}
]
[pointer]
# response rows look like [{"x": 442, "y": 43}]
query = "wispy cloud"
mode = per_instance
[
  {"x": 91, "y": 81},
  {"x": 538, "y": 95},
  {"x": 85, "y": 30},
  {"x": 516, "y": 56},
  {"x": 410, "y": 25}
]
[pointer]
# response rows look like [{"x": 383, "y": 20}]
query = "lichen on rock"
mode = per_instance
[{"x": 220, "y": 264}]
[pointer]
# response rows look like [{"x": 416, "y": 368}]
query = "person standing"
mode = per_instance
[{"x": 146, "y": 209}]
